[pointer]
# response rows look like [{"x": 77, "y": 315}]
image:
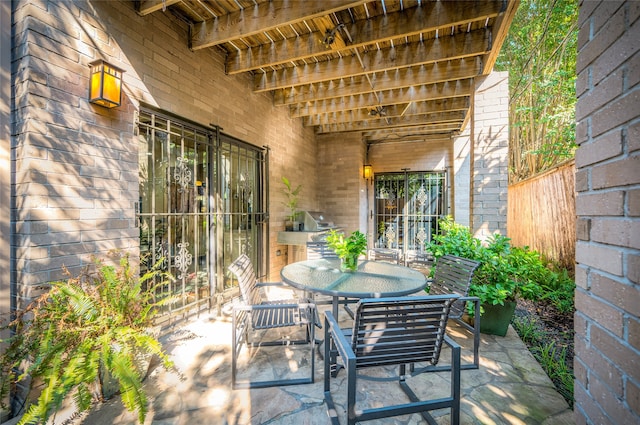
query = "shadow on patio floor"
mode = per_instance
[{"x": 509, "y": 388}]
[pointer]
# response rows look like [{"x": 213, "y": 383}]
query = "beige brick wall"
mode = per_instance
[
  {"x": 607, "y": 319},
  {"x": 76, "y": 164},
  {"x": 461, "y": 191},
  {"x": 341, "y": 188},
  {"x": 477, "y": 197},
  {"x": 5, "y": 171},
  {"x": 489, "y": 155}
]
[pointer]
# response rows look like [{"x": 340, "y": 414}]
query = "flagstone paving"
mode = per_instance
[{"x": 509, "y": 388}]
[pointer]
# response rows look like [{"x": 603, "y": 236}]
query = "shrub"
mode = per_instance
[
  {"x": 89, "y": 325},
  {"x": 506, "y": 273}
]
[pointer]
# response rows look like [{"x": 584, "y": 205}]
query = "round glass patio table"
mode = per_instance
[{"x": 372, "y": 279}]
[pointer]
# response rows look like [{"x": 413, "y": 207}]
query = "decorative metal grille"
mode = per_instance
[
  {"x": 407, "y": 208},
  {"x": 199, "y": 206}
]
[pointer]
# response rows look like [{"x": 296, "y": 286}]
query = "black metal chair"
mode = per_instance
[
  {"x": 393, "y": 331},
  {"x": 385, "y": 254},
  {"x": 255, "y": 313},
  {"x": 419, "y": 260},
  {"x": 453, "y": 275}
]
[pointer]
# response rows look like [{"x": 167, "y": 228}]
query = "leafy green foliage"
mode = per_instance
[
  {"x": 540, "y": 54},
  {"x": 348, "y": 248},
  {"x": 529, "y": 329},
  {"x": 506, "y": 273},
  {"x": 94, "y": 324},
  {"x": 292, "y": 198},
  {"x": 553, "y": 361}
]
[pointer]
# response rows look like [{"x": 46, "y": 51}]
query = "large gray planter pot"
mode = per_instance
[{"x": 496, "y": 318}]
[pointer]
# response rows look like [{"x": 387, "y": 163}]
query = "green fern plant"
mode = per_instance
[{"x": 81, "y": 331}]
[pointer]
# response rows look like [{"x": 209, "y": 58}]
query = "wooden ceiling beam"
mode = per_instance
[
  {"x": 429, "y": 51},
  {"x": 369, "y": 126},
  {"x": 499, "y": 34},
  {"x": 305, "y": 46},
  {"x": 146, "y": 7},
  {"x": 426, "y": 92},
  {"x": 442, "y": 116},
  {"x": 413, "y": 134},
  {"x": 262, "y": 17},
  {"x": 431, "y": 16},
  {"x": 396, "y": 79}
]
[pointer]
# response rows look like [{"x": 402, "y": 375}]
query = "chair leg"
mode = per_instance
[
  {"x": 455, "y": 385},
  {"x": 476, "y": 336},
  {"x": 235, "y": 350}
]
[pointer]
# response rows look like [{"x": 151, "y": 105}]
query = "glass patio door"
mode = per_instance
[
  {"x": 241, "y": 208},
  {"x": 200, "y": 206},
  {"x": 407, "y": 208}
]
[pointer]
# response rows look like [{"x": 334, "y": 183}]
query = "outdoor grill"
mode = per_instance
[
  {"x": 315, "y": 227},
  {"x": 315, "y": 221}
]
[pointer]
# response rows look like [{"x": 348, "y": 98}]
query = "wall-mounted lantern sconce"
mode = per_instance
[
  {"x": 105, "y": 84},
  {"x": 367, "y": 171}
]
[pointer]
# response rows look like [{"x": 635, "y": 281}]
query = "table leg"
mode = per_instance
[{"x": 335, "y": 368}]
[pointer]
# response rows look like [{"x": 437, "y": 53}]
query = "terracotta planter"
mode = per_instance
[{"x": 496, "y": 318}]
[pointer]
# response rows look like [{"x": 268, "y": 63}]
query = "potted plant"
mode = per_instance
[
  {"x": 348, "y": 249},
  {"x": 291, "y": 203},
  {"x": 83, "y": 333},
  {"x": 505, "y": 274}
]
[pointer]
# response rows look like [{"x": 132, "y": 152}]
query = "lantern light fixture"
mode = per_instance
[
  {"x": 105, "y": 84},
  {"x": 367, "y": 171}
]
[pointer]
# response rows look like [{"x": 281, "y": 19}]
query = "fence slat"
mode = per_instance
[{"x": 542, "y": 214}]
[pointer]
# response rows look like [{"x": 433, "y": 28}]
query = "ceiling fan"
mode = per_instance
[{"x": 378, "y": 111}]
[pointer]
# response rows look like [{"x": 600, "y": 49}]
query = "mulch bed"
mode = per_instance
[{"x": 556, "y": 328}]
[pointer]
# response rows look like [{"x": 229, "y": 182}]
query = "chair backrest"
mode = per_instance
[
  {"x": 319, "y": 249},
  {"x": 420, "y": 259},
  {"x": 242, "y": 268},
  {"x": 384, "y": 254},
  {"x": 453, "y": 276},
  {"x": 402, "y": 330}
]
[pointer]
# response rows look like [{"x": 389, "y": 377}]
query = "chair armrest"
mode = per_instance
[
  {"x": 450, "y": 342},
  {"x": 469, "y": 298},
  {"x": 275, "y": 306},
  {"x": 333, "y": 332},
  {"x": 266, "y": 284}
]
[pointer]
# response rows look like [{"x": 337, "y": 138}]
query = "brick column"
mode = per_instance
[
  {"x": 75, "y": 164},
  {"x": 5, "y": 169},
  {"x": 489, "y": 156},
  {"x": 607, "y": 319}
]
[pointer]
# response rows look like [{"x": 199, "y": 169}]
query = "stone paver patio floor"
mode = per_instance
[{"x": 509, "y": 388}]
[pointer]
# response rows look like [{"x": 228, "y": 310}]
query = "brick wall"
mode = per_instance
[
  {"x": 76, "y": 164},
  {"x": 478, "y": 197},
  {"x": 461, "y": 191},
  {"x": 607, "y": 319},
  {"x": 5, "y": 172},
  {"x": 341, "y": 186},
  {"x": 489, "y": 159}
]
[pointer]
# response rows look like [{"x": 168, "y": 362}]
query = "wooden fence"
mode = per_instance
[{"x": 542, "y": 214}]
